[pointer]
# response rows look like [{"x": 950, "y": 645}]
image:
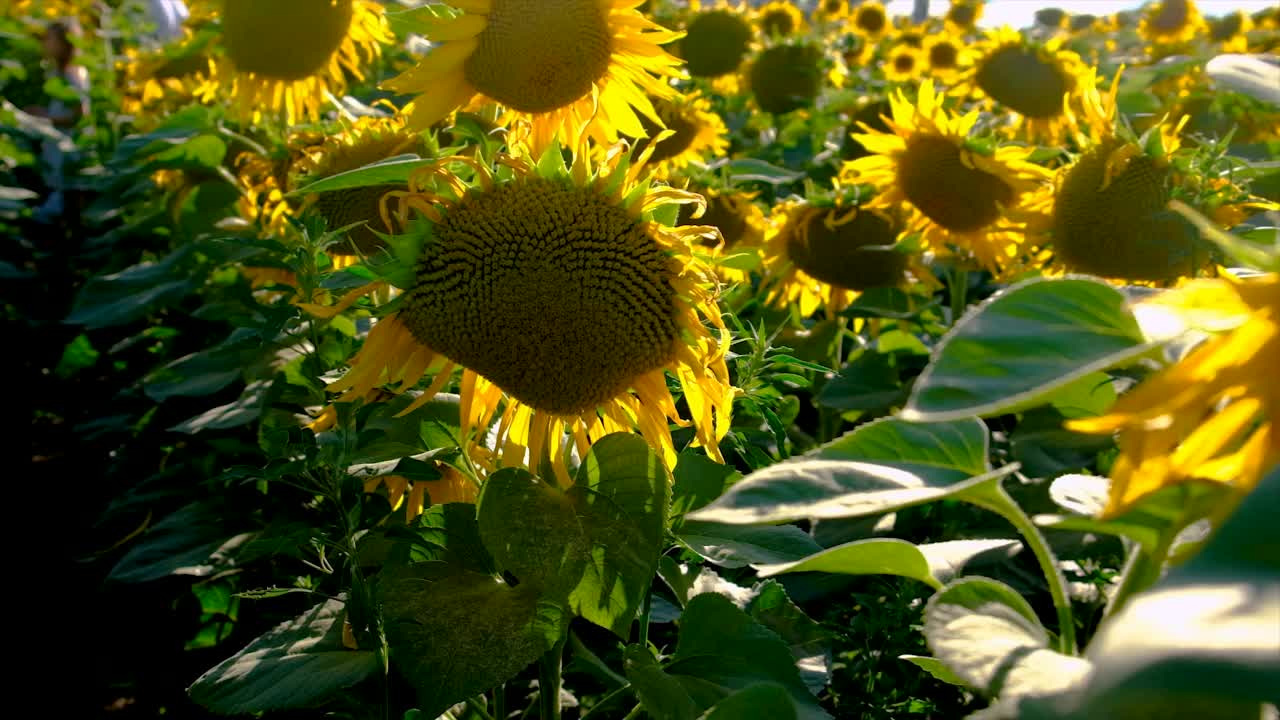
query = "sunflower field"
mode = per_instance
[{"x": 682, "y": 360}]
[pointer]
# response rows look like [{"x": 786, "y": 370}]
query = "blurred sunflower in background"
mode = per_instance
[
  {"x": 366, "y": 141},
  {"x": 870, "y": 20},
  {"x": 961, "y": 194},
  {"x": 416, "y": 495},
  {"x": 741, "y": 222},
  {"x": 1032, "y": 79},
  {"x": 903, "y": 64},
  {"x": 1171, "y": 22},
  {"x": 716, "y": 43},
  {"x": 565, "y": 295},
  {"x": 824, "y": 255},
  {"x": 830, "y": 10},
  {"x": 1212, "y": 416},
  {"x": 314, "y": 45},
  {"x": 786, "y": 77},
  {"x": 963, "y": 15},
  {"x": 945, "y": 56},
  {"x": 569, "y": 67},
  {"x": 160, "y": 81},
  {"x": 696, "y": 133},
  {"x": 1230, "y": 33},
  {"x": 780, "y": 18}
]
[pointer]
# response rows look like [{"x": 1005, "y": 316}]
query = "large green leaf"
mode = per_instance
[
  {"x": 294, "y": 665},
  {"x": 880, "y": 467},
  {"x": 930, "y": 563},
  {"x": 662, "y": 696},
  {"x": 130, "y": 294},
  {"x": 721, "y": 650},
  {"x": 763, "y": 700},
  {"x": 988, "y": 636},
  {"x": 734, "y": 546},
  {"x": 598, "y": 542},
  {"x": 809, "y": 641},
  {"x": 455, "y": 633},
  {"x": 1022, "y": 345},
  {"x": 392, "y": 171},
  {"x": 196, "y": 540}
]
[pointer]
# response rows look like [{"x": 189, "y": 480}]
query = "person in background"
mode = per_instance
[
  {"x": 62, "y": 112},
  {"x": 168, "y": 16}
]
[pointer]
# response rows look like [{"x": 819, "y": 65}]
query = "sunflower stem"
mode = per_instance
[
  {"x": 549, "y": 681},
  {"x": 959, "y": 287},
  {"x": 500, "y": 701},
  {"x": 646, "y": 609}
]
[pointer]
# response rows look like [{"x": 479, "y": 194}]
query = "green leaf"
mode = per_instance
[
  {"x": 735, "y": 546},
  {"x": 598, "y": 541},
  {"x": 1024, "y": 344},
  {"x": 763, "y": 700},
  {"x": 869, "y": 382},
  {"x": 809, "y": 641},
  {"x": 242, "y": 411},
  {"x": 125, "y": 296},
  {"x": 202, "y": 152},
  {"x": 930, "y": 563},
  {"x": 698, "y": 481},
  {"x": 392, "y": 171},
  {"x": 1247, "y": 74},
  {"x": 880, "y": 467},
  {"x": 752, "y": 169},
  {"x": 934, "y": 667},
  {"x": 194, "y": 541},
  {"x": 661, "y": 695},
  {"x": 985, "y": 633},
  {"x": 294, "y": 665},
  {"x": 455, "y": 633},
  {"x": 200, "y": 373},
  {"x": 79, "y": 354},
  {"x": 721, "y": 650}
]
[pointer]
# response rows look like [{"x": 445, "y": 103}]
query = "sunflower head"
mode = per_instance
[
  {"x": 1029, "y": 78},
  {"x": 779, "y": 18},
  {"x": 828, "y": 10},
  {"x": 961, "y": 191},
  {"x": 1231, "y": 31},
  {"x": 945, "y": 55},
  {"x": 367, "y": 141},
  {"x": 870, "y": 20},
  {"x": 1051, "y": 17},
  {"x": 572, "y": 68},
  {"x": 696, "y": 133},
  {"x": 1171, "y": 22},
  {"x": 565, "y": 295},
  {"x": 314, "y": 45},
  {"x": 963, "y": 15},
  {"x": 786, "y": 77},
  {"x": 716, "y": 41},
  {"x": 904, "y": 64},
  {"x": 159, "y": 81},
  {"x": 869, "y": 116},
  {"x": 733, "y": 212}
]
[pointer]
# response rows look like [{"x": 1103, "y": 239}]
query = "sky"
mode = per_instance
[{"x": 1021, "y": 13}]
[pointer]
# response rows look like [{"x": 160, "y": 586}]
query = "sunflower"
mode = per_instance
[
  {"x": 826, "y": 256},
  {"x": 1171, "y": 22},
  {"x": 960, "y": 193},
  {"x": 870, "y": 20},
  {"x": 963, "y": 15},
  {"x": 364, "y": 142},
  {"x": 945, "y": 55},
  {"x": 418, "y": 495},
  {"x": 904, "y": 64},
  {"x": 786, "y": 77},
  {"x": 829, "y": 10},
  {"x": 1107, "y": 212},
  {"x": 779, "y": 18},
  {"x": 1029, "y": 78},
  {"x": 1212, "y": 417},
  {"x": 290, "y": 56},
  {"x": 263, "y": 183},
  {"x": 1230, "y": 32},
  {"x": 871, "y": 114},
  {"x": 696, "y": 133},
  {"x": 157, "y": 82},
  {"x": 569, "y": 67},
  {"x": 741, "y": 222},
  {"x": 1052, "y": 18},
  {"x": 716, "y": 42},
  {"x": 564, "y": 300}
]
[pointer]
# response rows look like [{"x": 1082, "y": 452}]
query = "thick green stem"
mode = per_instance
[
  {"x": 646, "y": 609},
  {"x": 636, "y": 712},
  {"x": 500, "y": 701},
  {"x": 959, "y": 287},
  {"x": 1048, "y": 565},
  {"x": 549, "y": 682}
]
